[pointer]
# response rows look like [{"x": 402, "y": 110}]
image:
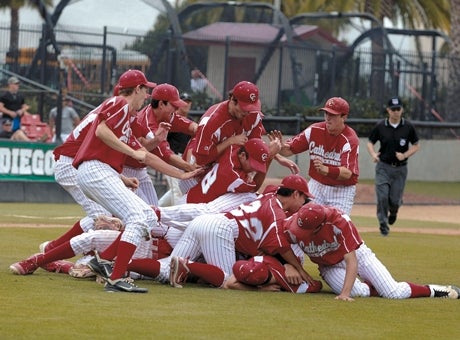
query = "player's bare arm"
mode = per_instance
[
  {"x": 292, "y": 275},
  {"x": 180, "y": 163},
  {"x": 402, "y": 156},
  {"x": 158, "y": 164},
  {"x": 340, "y": 173},
  {"x": 351, "y": 273},
  {"x": 290, "y": 258},
  {"x": 104, "y": 133},
  {"x": 234, "y": 140}
]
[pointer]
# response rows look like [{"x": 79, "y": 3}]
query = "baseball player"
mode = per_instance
[
  {"x": 231, "y": 122},
  {"x": 250, "y": 229},
  {"x": 100, "y": 160},
  {"x": 165, "y": 101},
  {"x": 238, "y": 169},
  {"x": 266, "y": 273},
  {"x": 330, "y": 239},
  {"x": 333, "y": 148},
  {"x": 66, "y": 175}
]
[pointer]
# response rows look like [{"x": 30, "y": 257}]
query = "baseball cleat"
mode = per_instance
[
  {"x": 178, "y": 271},
  {"x": 448, "y": 292},
  {"x": 123, "y": 285},
  {"x": 43, "y": 246},
  {"x": 384, "y": 230},
  {"x": 392, "y": 219},
  {"x": 25, "y": 267},
  {"x": 60, "y": 266},
  {"x": 100, "y": 266}
]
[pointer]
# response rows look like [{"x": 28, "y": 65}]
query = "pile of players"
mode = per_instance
[{"x": 225, "y": 231}]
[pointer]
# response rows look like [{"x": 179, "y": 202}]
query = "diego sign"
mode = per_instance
[{"x": 26, "y": 161}]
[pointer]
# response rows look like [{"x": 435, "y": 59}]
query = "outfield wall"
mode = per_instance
[
  {"x": 26, "y": 169},
  {"x": 437, "y": 160}
]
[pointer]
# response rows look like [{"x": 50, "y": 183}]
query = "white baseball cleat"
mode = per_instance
[
  {"x": 448, "y": 292},
  {"x": 178, "y": 271}
]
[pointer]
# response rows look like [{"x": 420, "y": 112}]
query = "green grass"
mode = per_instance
[
  {"x": 446, "y": 190},
  {"x": 55, "y": 306}
]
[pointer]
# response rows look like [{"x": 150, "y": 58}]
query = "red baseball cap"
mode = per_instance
[
  {"x": 309, "y": 217},
  {"x": 296, "y": 182},
  {"x": 168, "y": 93},
  {"x": 258, "y": 154},
  {"x": 133, "y": 78},
  {"x": 251, "y": 272},
  {"x": 336, "y": 106},
  {"x": 247, "y": 95}
]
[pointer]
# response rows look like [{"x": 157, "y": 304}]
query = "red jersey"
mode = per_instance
[
  {"x": 260, "y": 225},
  {"x": 71, "y": 145},
  {"x": 332, "y": 241},
  {"x": 147, "y": 120},
  {"x": 216, "y": 125},
  {"x": 340, "y": 150},
  {"x": 115, "y": 113},
  {"x": 225, "y": 176}
]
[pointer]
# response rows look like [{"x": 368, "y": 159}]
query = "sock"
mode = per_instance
[
  {"x": 64, "y": 251},
  {"x": 124, "y": 254},
  {"x": 209, "y": 273},
  {"x": 419, "y": 290},
  {"x": 111, "y": 251},
  {"x": 74, "y": 231},
  {"x": 146, "y": 267},
  {"x": 372, "y": 290}
]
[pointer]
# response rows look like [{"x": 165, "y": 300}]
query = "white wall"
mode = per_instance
[{"x": 437, "y": 160}]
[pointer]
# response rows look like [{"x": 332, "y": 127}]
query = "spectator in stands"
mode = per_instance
[
  {"x": 7, "y": 132},
  {"x": 198, "y": 83},
  {"x": 69, "y": 119},
  {"x": 12, "y": 104}
]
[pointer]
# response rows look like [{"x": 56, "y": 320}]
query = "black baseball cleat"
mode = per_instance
[
  {"x": 123, "y": 285},
  {"x": 392, "y": 219},
  {"x": 384, "y": 230},
  {"x": 100, "y": 266}
]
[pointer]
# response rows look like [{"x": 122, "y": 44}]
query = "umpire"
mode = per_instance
[{"x": 394, "y": 134}]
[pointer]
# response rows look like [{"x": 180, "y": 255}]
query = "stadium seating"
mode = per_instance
[{"x": 35, "y": 129}]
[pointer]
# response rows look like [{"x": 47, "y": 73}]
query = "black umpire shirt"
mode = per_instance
[{"x": 393, "y": 140}]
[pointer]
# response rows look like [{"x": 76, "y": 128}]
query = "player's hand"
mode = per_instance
[
  {"x": 344, "y": 298},
  {"x": 130, "y": 182},
  {"x": 319, "y": 167},
  {"x": 292, "y": 275},
  {"x": 274, "y": 147},
  {"x": 162, "y": 132},
  {"x": 272, "y": 287},
  {"x": 139, "y": 155},
  {"x": 400, "y": 156},
  {"x": 191, "y": 174},
  {"x": 291, "y": 165},
  {"x": 275, "y": 134},
  {"x": 239, "y": 139}
]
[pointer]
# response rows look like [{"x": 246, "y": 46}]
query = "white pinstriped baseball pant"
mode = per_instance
[
  {"x": 371, "y": 270},
  {"x": 66, "y": 175},
  {"x": 340, "y": 197},
  {"x": 102, "y": 183}
]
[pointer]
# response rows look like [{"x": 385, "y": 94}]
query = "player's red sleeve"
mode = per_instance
[{"x": 298, "y": 143}]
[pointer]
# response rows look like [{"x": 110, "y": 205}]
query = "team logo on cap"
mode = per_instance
[
  {"x": 253, "y": 97},
  {"x": 300, "y": 222},
  {"x": 264, "y": 157},
  {"x": 330, "y": 102}
]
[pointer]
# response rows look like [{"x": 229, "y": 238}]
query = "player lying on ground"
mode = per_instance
[{"x": 331, "y": 240}]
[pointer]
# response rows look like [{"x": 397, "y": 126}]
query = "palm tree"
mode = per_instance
[{"x": 14, "y": 6}]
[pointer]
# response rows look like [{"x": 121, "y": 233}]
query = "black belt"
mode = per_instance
[{"x": 396, "y": 164}]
